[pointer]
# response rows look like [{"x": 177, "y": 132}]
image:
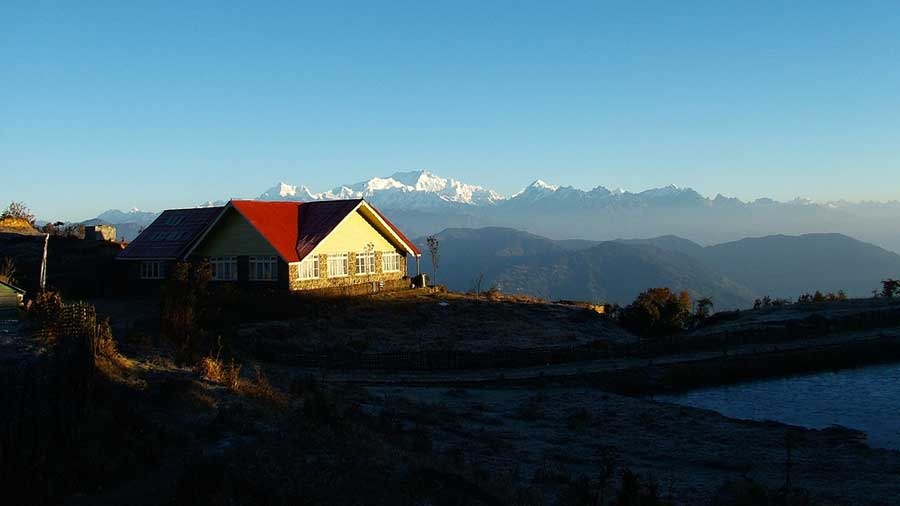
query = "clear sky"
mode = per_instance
[{"x": 112, "y": 104}]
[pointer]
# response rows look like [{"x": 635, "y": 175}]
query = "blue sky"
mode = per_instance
[{"x": 154, "y": 104}]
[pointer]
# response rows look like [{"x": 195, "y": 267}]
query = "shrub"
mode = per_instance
[
  {"x": 183, "y": 307},
  {"x": 213, "y": 369},
  {"x": 658, "y": 312},
  {"x": 17, "y": 211}
]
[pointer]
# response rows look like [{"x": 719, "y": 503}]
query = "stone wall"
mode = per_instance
[{"x": 324, "y": 282}]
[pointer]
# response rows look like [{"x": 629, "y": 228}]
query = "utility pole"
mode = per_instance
[{"x": 43, "y": 279}]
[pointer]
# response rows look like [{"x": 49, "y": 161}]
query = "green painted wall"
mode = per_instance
[{"x": 234, "y": 235}]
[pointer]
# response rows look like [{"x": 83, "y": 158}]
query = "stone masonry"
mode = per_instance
[{"x": 351, "y": 279}]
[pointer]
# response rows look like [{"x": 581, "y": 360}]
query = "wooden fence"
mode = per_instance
[{"x": 46, "y": 382}]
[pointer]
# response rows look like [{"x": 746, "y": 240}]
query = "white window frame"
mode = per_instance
[
  {"x": 263, "y": 268},
  {"x": 388, "y": 258},
  {"x": 218, "y": 263},
  {"x": 308, "y": 268},
  {"x": 153, "y": 269},
  {"x": 365, "y": 263},
  {"x": 338, "y": 259}
]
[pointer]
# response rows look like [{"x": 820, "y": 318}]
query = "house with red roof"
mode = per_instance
[{"x": 336, "y": 244}]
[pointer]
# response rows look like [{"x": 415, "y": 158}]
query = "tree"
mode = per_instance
[
  {"x": 657, "y": 312},
  {"x": 435, "y": 252},
  {"x": 704, "y": 308},
  {"x": 19, "y": 211},
  {"x": 890, "y": 287}
]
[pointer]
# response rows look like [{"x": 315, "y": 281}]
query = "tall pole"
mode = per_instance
[{"x": 44, "y": 263}]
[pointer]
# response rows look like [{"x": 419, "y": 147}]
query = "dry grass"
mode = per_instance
[
  {"x": 415, "y": 320},
  {"x": 214, "y": 369},
  {"x": 228, "y": 374},
  {"x": 261, "y": 388}
]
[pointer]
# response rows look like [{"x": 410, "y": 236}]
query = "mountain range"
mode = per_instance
[
  {"x": 732, "y": 273},
  {"x": 421, "y": 202}
]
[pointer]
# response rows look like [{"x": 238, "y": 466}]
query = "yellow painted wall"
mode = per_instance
[
  {"x": 234, "y": 235},
  {"x": 352, "y": 235}
]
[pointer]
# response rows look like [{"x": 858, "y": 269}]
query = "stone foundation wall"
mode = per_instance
[{"x": 366, "y": 283}]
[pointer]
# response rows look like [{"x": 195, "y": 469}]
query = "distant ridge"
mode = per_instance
[
  {"x": 421, "y": 202},
  {"x": 732, "y": 274}
]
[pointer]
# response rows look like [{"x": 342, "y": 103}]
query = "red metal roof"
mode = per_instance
[
  {"x": 294, "y": 229},
  {"x": 171, "y": 234},
  {"x": 277, "y": 222}
]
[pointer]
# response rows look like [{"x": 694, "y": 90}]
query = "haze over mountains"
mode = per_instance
[
  {"x": 732, "y": 274},
  {"x": 423, "y": 203},
  {"x": 563, "y": 242}
]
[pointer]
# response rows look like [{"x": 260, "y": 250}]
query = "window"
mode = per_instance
[
  {"x": 263, "y": 268},
  {"x": 338, "y": 265},
  {"x": 153, "y": 269},
  {"x": 175, "y": 236},
  {"x": 223, "y": 268},
  {"x": 158, "y": 236},
  {"x": 309, "y": 268},
  {"x": 365, "y": 263},
  {"x": 390, "y": 261}
]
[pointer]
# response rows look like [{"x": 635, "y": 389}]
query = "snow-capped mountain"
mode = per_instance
[
  {"x": 403, "y": 190},
  {"x": 135, "y": 215},
  {"x": 423, "y": 203}
]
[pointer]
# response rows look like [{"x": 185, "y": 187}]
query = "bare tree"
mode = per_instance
[
  {"x": 434, "y": 250},
  {"x": 477, "y": 284},
  {"x": 18, "y": 210}
]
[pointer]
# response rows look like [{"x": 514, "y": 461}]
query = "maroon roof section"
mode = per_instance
[
  {"x": 318, "y": 219},
  {"x": 171, "y": 234}
]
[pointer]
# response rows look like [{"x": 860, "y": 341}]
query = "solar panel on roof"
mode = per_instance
[{"x": 171, "y": 234}]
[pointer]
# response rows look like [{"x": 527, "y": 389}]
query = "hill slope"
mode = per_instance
[
  {"x": 785, "y": 266},
  {"x": 519, "y": 262}
]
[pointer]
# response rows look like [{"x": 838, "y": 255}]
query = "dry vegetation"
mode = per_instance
[
  {"x": 153, "y": 419},
  {"x": 415, "y": 320}
]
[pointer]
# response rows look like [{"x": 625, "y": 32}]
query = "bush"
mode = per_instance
[
  {"x": 183, "y": 307},
  {"x": 17, "y": 211},
  {"x": 658, "y": 312}
]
